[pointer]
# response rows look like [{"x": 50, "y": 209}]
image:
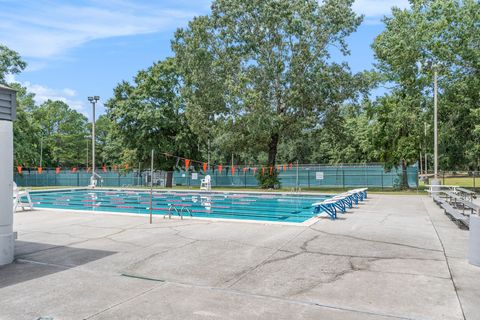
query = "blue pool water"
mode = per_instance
[{"x": 247, "y": 206}]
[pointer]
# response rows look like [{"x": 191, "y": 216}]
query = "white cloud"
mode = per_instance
[
  {"x": 44, "y": 29},
  {"x": 374, "y": 10},
  {"x": 44, "y": 93}
]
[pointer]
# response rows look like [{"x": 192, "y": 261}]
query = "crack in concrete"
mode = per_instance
[{"x": 374, "y": 241}]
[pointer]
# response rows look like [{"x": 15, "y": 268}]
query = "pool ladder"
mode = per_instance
[{"x": 180, "y": 213}]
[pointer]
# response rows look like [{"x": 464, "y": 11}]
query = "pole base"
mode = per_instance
[
  {"x": 474, "y": 241},
  {"x": 7, "y": 247}
]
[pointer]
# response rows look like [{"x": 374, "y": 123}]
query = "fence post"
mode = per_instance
[
  {"x": 78, "y": 179},
  {"x": 308, "y": 177},
  {"x": 245, "y": 178},
  {"x": 343, "y": 177},
  {"x": 383, "y": 172},
  {"x": 474, "y": 187}
]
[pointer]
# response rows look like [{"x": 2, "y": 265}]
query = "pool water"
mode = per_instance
[{"x": 246, "y": 206}]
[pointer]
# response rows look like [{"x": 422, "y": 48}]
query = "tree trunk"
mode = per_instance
[
  {"x": 272, "y": 149},
  {"x": 169, "y": 182},
  {"x": 404, "y": 184}
]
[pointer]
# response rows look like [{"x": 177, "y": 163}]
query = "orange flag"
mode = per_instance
[
  {"x": 220, "y": 167},
  {"x": 233, "y": 170},
  {"x": 245, "y": 170},
  {"x": 254, "y": 171},
  {"x": 39, "y": 170},
  {"x": 187, "y": 164},
  {"x": 74, "y": 169},
  {"x": 271, "y": 170},
  {"x": 57, "y": 170},
  {"x": 291, "y": 166},
  {"x": 263, "y": 171},
  {"x": 284, "y": 167},
  {"x": 19, "y": 169},
  {"x": 204, "y": 167}
]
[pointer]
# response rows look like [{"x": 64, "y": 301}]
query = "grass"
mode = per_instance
[{"x": 466, "y": 182}]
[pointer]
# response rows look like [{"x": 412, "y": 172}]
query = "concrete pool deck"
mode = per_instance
[{"x": 395, "y": 257}]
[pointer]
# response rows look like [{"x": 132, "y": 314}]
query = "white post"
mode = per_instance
[
  {"x": 6, "y": 192},
  {"x": 435, "y": 129}
]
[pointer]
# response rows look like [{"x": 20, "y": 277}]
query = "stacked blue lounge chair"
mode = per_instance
[{"x": 339, "y": 203}]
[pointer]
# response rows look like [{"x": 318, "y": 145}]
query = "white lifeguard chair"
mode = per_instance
[
  {"x": 17, "y": 199},
  {"x": 206, "y": 183}
]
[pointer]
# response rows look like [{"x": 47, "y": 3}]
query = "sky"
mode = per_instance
[{"x": 75, "y": 49}]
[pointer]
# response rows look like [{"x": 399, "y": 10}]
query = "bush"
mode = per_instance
[{"x": 267, "y": 181}]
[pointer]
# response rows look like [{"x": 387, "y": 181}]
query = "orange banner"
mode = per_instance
[
  {"x": 271, "y": 170},
  {"x": 74, "y": 169},
  {"x": 263, "y": 171},
  {"x": 39, "y": 170},
  {"x": 254, "y": 171},
  {"x": 57, "y": 170},
  {"x": 19, "y": 169},
  {"x": 233, "y": 170},
  {"x": 204, "y": 167},
  {"x": 220, "y": 167},
  {"x": 187, "y": 164}
]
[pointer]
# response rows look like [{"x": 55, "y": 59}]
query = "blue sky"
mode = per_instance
[{"x": 79, "y": 48}]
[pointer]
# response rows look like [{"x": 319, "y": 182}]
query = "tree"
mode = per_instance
[
  {"x": 149, "y": 114},
  {"x": 259, "y": 72},
  {"x": 25, "y": 132},
  {"x": 447, "y": 34},
  {"x": 63, "y": 132},
  {"x": 10, "y": 62}
]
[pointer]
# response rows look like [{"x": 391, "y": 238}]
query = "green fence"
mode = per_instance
[
  {"x": 311, "y": 176},
  {"x": 306, "y": 176}
]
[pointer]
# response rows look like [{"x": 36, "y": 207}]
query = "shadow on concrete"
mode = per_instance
[{"x": 36, "y": 260}]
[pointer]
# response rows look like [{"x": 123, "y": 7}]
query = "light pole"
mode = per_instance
[
  {"x": 93, "y": 100},
  {"x": 434, "y": 67}
]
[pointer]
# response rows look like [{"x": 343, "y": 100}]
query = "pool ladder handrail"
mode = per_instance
[{"x": 172, "y": 207}]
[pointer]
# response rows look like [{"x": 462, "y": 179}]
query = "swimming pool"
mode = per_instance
[{"x": 244, "y": 206}]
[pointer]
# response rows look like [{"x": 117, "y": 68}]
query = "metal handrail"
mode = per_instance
[{"x": 172, "y": 206}]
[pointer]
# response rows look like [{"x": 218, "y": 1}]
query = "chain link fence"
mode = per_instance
[{"x": 303, "y": 176}]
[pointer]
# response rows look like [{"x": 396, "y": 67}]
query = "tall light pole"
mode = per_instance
[{"x": 93, "y": 100}]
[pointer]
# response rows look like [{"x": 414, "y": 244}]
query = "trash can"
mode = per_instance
[{"x": 474, "y": 241}]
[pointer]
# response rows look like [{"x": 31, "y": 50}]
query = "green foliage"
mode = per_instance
[
  {"x": 259, "y": 72},
  {"x": 10, "y": 62},
  {"x": 268, "y": 181},
  {"x": 25, "y": 131},
  {"x": 445, "y": 32},
  {"x": 63, "y": 131},
  {"x": 149, "y": 114}
]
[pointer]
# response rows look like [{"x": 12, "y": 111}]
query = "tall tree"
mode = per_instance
[
  {"x": 262, "y": 69},
  {"x": 25, "y": 131},
  {"x": 445, "y": 32},
  {"x": 149, "y": 114},
  {"x": 63, "y": 132},
  {"x": 10, "y": 62}
]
